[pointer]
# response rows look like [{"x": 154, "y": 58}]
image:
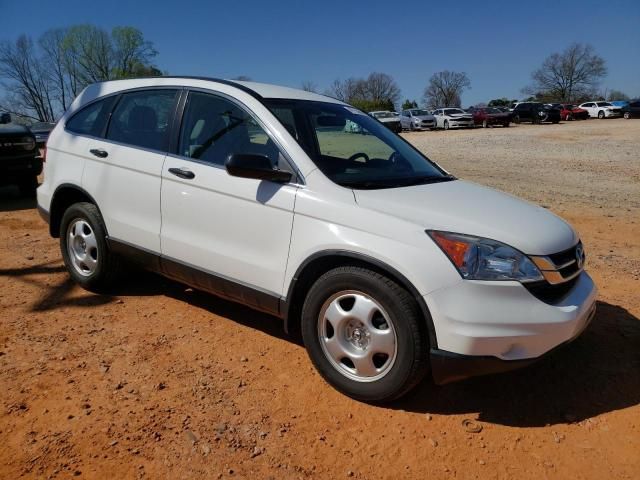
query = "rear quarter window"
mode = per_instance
[{"x": 91, "y": 119}]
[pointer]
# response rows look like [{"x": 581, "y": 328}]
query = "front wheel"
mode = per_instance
[
  {"x": 516, "y": 119},
  {"x": 485, "y": 124},
  {"x": 365, "y": 334},
  {"x": 627, "y": 115},
  {"x": 446, "y": 125},
  {"x": 84, "y": 247},
  {"x": 601, "y": 114}
]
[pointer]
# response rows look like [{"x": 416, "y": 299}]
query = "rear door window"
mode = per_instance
[
  {"x": 91, "y": 119},
  {"x": 142, "y": 118}
]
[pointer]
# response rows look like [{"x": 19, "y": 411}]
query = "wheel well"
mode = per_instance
[
  {"x": 314, "y": 268},
  {"x": 63, "y": 198}
]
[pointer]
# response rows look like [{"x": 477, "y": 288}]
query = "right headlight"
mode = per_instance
[
  {"x": 478, "y": 258},
  {"x": 28, "y": 143}
]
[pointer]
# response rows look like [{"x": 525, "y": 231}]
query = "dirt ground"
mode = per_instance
[{"x": 160, "y": 381}]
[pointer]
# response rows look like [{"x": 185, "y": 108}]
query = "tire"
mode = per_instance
[
  {"x": 83, "y": 223},
  {"x": 28, "y": 186},
  {"x": 601, "y": 115},
  {"x": 627, "y": 115},
  {"x": 569, "y": 117},
  {"x": 516, "y": 119},
  {"x": 485, "y": 124},
  {"x": 446, "y": 124},
  {"x": 390, "y": 316},
  {"x": 411, "y": 127}
]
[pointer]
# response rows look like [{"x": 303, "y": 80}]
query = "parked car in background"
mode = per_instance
[
  {"x": 601, "y": 109},
  {"x": 620, "y": 103},
  {"x": 488, "y": 117},
  {"x": 255, "y": 193},
  {"x": 535, "y": 113},
  {"x": 570, "y": 112},
  {"x": 452, "y": 118},
  {"x": 41, "y": 131},
  {"x": 19, "y": 164},
  {"x": 391, "y": 120},
  {"x": 632, "y": 110},
  {"x": 417, "y": 119}
]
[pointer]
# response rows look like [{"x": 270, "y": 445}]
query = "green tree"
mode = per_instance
[
  {"x": 500, "y": 102},
  {"x": 409, "y": 104}
]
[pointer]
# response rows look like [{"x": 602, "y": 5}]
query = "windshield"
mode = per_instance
[
  {"x": 383, "y": 114},
  {"x": 453, "y": 111},
  {"x": 419, "y": 113},
  {"x": 351, "y": 148},
  {"x": 604, "y": 104}
]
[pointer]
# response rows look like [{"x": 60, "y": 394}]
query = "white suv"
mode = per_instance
[
  {"x": 389, "y": 266},
  {"x": 601, "y": 109}
]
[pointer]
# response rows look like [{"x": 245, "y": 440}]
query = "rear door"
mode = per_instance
[
  {"x": 123, "y": 171},
  {"x": 221, "y": 233}
]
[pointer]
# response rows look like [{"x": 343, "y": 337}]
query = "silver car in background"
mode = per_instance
[
  {"x": 417, "y": 119},
  {"x": 391, "y": 120},
  {"x": 452, "y": 118}
]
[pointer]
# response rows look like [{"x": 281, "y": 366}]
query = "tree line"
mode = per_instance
[{"x": 42, "y": 78}]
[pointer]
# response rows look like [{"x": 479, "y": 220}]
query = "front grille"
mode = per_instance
[{"x": 560, "y": 271}]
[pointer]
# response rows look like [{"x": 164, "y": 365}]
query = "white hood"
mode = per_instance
[{"x": 464, "y": 207}]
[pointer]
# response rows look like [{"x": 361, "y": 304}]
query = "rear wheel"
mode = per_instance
[
  {"x": 365, "y": 335},
  {"x": 84, "y": 247},
  {"x": 516, "y": 119},
  {"x": 446, "y": 124},
  {"x": 627, "y": 115}
]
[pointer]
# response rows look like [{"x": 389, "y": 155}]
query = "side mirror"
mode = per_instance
[
  {"x": 248, "y": 165},
  {"x": 5, "y": 118}
]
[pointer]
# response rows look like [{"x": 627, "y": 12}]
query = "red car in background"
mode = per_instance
[
  {"x": 488, "y": 116},
  {"x": 570, "y": 112}
]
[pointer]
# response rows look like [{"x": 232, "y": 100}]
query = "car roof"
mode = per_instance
[{"x": 255, "y": 89}]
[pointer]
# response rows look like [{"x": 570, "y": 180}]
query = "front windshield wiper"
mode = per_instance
[{"x": 397, "y": 182}]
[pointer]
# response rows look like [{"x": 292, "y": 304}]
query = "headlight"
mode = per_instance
[
  {"x": 28, "y": 143},
  {"x": 478, "y": 258}
]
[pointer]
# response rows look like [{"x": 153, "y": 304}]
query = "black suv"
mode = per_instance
[
  {"x": 535, "y": 113},
  {"x": 632, "y": 110},
  {"x": 18, "y": 156}
]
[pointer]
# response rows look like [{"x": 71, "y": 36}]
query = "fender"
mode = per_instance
[{"x": 327, "y": 259}]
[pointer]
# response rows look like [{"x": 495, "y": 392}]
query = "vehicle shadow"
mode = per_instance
[
  {"x": 597, "y": 373},
  {"x": 11, "y": 199}
]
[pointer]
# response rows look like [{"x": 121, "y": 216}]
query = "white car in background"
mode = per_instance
[
  {"x": 417, "y": 119},
  {"x": 391, "y": 120},
  {"x": 452, "y": 118},
  {"x": 601, "y": 109}
]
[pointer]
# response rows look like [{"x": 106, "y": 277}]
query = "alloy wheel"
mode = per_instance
[{"x": 82, "y": 247}]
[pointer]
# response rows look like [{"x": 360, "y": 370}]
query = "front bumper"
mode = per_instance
[
  {"x": 491, "y": 327},
  {"x": 13, "y": 168}
]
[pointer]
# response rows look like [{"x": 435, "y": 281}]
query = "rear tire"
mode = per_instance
[
  {"x": 86, "y": 254},
  {"x": 356, "y": 313},
  {"x": 516, "y": 119}
]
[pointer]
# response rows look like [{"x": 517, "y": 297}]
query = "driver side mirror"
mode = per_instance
[{"x": 259, "y": 167}]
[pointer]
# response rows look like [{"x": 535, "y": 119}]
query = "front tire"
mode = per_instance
[
  {"x": 365, "y": 334},
  {"x": 446, "y": 125},
  {"x": 601, "y": 115},
  {"x": 84, "y": 248},
  {"x": 627, "y": 115},
  {"x": 516, "y": 119}
]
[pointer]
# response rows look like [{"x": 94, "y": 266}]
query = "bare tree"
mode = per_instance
[
  {"x": 30, "y": 93},
  {"x": 309, "y": 86},
  {"x": 445, "y": 89},
  {"x": 617, "y": 95},
  {"x": 570, "y": 75},
  {"x": 42, "y": 79},
  {"x": 347, "y": 90},
  {"x": 381, "y": 87}
]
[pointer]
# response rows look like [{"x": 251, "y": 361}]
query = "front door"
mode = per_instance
[{"x": 225, "y": 234}]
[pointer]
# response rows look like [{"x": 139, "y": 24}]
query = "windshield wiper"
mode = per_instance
[{"x": 397, "y": 182}]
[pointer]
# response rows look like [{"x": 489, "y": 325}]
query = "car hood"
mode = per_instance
[
  {"x": 465, "y": 207},
  {"x": 465, "y": 116},
  {"x": 424, "y": 117}
]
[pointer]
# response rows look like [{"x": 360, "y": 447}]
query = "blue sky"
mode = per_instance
[{"x": 498, "y": 43}]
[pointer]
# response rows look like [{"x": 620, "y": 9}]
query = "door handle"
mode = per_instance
[
  {"x": 182, "y": 173},
  {"x": 99, "y": 153}
]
